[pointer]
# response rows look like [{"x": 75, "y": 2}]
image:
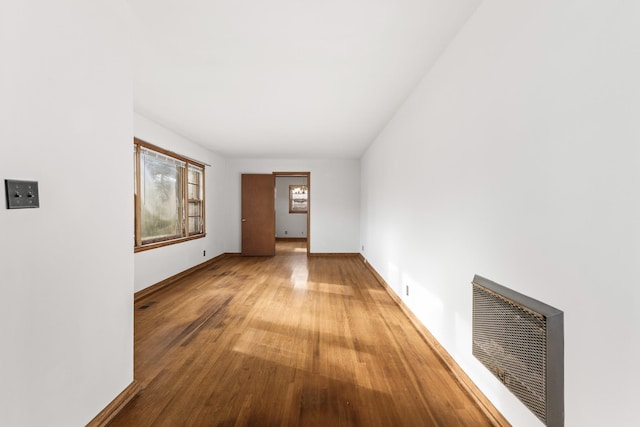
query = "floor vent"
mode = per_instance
[{"x": 520, "y": 340}]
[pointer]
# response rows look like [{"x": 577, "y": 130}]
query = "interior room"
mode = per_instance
[{"x": 444, "y": 140}]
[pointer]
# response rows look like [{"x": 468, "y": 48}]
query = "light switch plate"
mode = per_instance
[{"x": 21, "y": 194}]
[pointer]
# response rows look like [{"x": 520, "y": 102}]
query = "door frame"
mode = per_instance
[{"x": 308, "y": 176}]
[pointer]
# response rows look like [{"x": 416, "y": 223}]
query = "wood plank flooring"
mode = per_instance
[{"x": 286, "y": 341}]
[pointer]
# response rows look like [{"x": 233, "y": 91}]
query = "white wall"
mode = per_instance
[
  {"x": 67, "y": 268},
  {"x": 334, "y": 187},
  {"x": 289, "y": 225},
  {"x": 517, "y": 158},
  {"x": 154, "y": 265}
]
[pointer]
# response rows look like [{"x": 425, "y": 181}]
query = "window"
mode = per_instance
[
  {"x": 169, "y": 197},
  {"x": 298, "y": 199}
]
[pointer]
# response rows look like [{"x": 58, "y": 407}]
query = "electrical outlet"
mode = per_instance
[
  {"x": 204, "y": 253},
  {"x": 286, "y": 232},
  {"x": 362, "y": 248},
  {"x": 407, "y": 290}
]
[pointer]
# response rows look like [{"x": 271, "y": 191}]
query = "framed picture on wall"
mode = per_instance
[{"x": 298, "y": 199}]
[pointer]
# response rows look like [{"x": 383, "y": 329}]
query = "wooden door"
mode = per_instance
[{"x": 258, "y": 215}]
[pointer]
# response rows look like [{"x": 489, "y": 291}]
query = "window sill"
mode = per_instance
[{"x": 155, "y": 245}]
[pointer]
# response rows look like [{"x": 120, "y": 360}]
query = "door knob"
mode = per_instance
[{"x": 244, "y": 220}]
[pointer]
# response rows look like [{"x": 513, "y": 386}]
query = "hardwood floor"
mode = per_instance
[{"x": 286, "y": 341}]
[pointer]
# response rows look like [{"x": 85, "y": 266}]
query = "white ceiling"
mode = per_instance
[{"x": 285, "y": 78}]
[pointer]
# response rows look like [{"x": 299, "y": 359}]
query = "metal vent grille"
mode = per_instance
[{"x": 517, "y": 338}]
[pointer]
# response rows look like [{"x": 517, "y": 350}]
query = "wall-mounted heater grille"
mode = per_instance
[{"x": 520, "y": 340}]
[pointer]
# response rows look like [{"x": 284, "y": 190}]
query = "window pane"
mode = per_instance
[
  {"x": 194, "y": 189},
  {"x": 161, "y": 195},
  {"x": 194, "y": 225},
  {"x": 194, "y": 209},
  {"x": 195, "y": 180}
]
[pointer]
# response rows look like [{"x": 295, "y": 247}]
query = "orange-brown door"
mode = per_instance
[{"x": 258, "y": 215}]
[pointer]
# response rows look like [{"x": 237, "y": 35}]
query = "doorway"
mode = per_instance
[
  {"x": 260, "y": 208},
  {"x": 293, "y": 207}
]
